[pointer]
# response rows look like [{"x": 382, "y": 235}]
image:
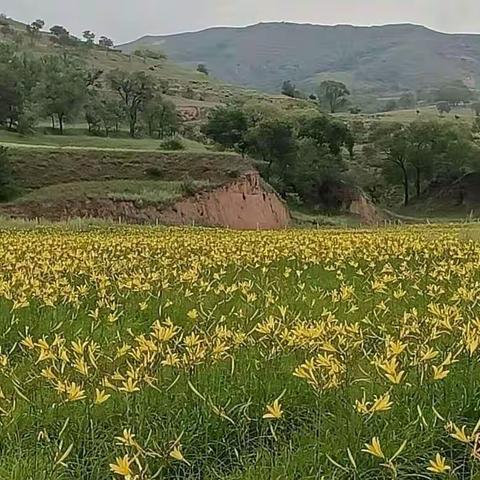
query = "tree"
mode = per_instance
[
  {"x": 423, "y": 149},
  {"x": 319, "y": 163},
  {"x": 274, "y": 142},
  {"x": 227, "y": 126},
  {"x": 60, "y": 35},
  {"x": 328, "y": 134},
  {"x": 62, "y": 90},
  {"x": 202, "y": 68},
  {"x": 105, "y": 42},
  {"x": 444, "y": 107},
  {"x": 392, "y": 142},
  {"x": 135, "y": 90},
  {"x": 334, "y": 93},
  {"x": 161, "y": 117},
  {"x": 19, "y": 74},
  {"x": 89, "y": 38},
  {"x": 93, "y": 115},
  {"x": 289, "y": 89},
  {"x": 59, "y": 31},
  {"x": 455, "y": 151},
  {"x": 34, "y": 29},
  {"x": 316, "y": 171},
  {"x": 103, "y": 111},
  {"x": 10, "y": 96}
]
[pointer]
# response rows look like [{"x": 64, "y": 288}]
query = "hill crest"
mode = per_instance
[{"x": 369, "y": 59}]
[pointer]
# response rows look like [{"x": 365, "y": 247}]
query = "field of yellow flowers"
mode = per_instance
[{"x": 148, "y": 353}]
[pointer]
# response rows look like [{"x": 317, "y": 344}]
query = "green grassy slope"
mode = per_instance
[
  {"x": 147, "y": 191},
  {"x": 380, "y": 59},
  {"x": 76, "y": 139},
  {"x": 36, "y": 168}
]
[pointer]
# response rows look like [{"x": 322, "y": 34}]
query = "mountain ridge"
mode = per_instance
[{"x": 370, "y": 59}]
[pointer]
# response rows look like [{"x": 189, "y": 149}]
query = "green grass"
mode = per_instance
[
  {"x": 147, "y": 191},
  {"x": 306, "y": 218},
  {"x": 436, "y": 211},
  {"x": 77, "y": 139},
  {"x": 36, "y": 167},
  {"x": 265, "y": 303},
  {"x": 406, "y": 116}
]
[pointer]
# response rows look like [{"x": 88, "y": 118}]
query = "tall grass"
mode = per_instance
[{"x": 248, "y": 309}]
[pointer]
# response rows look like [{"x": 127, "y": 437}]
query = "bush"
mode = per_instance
[
  {"x": 154, "y": 172},
  {"x": 27, "y": 122},
  {"x": 172, "y": 144},
  {"x": 188, "y": 186}
]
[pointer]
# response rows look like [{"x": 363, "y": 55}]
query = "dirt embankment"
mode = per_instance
[{"x": 240, "y": 204}]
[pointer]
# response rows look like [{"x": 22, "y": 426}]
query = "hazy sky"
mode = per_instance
[{"x": 125, "y": 20}]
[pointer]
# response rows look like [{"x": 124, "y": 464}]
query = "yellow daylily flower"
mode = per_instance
[
  {"x": 460, "y": 435},
  {"x": 100, "y": 396},
  {"x": 274, "y": 411},
  {"x": 374, "y": 448},
  {"x": 122, "y": 467},
  {"x": 438, "y": 465}
]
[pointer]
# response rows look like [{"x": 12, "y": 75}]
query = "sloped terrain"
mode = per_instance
[
  {"x": 184, "y": 86},
  {"x": 379, "y": 59},
  {"x": 168, "y": 188}
]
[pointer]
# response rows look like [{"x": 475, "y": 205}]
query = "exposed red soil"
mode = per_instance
[{"x": 241, "y": 204}]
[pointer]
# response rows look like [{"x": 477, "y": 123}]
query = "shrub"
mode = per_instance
[
  {"x": 154, "y": 172},
  {"x": 188, "y": 186},
  {"x": 172, "y": 144}
]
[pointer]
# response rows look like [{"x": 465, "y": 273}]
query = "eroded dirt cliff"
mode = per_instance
[{"x": 240, "y": 204}]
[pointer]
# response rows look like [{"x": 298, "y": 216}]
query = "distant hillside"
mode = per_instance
[
  {"x": 186, "y": 86},
  {"x": 379, "y": 60}
]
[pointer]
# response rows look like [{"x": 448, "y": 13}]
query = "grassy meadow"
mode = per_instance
[{"x": 143, "y": 353}]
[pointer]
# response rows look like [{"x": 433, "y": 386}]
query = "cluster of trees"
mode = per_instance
[
  {"x": 300, "y": 155},
  {"x": 406, "y": 101},
  {"x": 332, "y": 94},
  {"x": 309, "y": 155},
  {"x": 61, "y": 88},
  {"x": 415, "y": 154},
  {"x": 57, "y": 34}
]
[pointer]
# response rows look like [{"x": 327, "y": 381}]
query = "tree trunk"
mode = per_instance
[
  {"x": 406, "y": 187},
  {"x": 53, "y": 122},
  {"x": 60, "y": 123},
  {"x": 406, "y": 190},
  {"x": 418, "y": 182},
  {"x": 133, "y": 124}
]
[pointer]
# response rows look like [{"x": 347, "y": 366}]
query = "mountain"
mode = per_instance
[{"x": 379, "y": 60}]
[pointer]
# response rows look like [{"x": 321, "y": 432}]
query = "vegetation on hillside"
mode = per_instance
[
  {"x": 310, "y": 155},
  {"x": 312, "y": 159},
  {"x": 372, "y": 61}
]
